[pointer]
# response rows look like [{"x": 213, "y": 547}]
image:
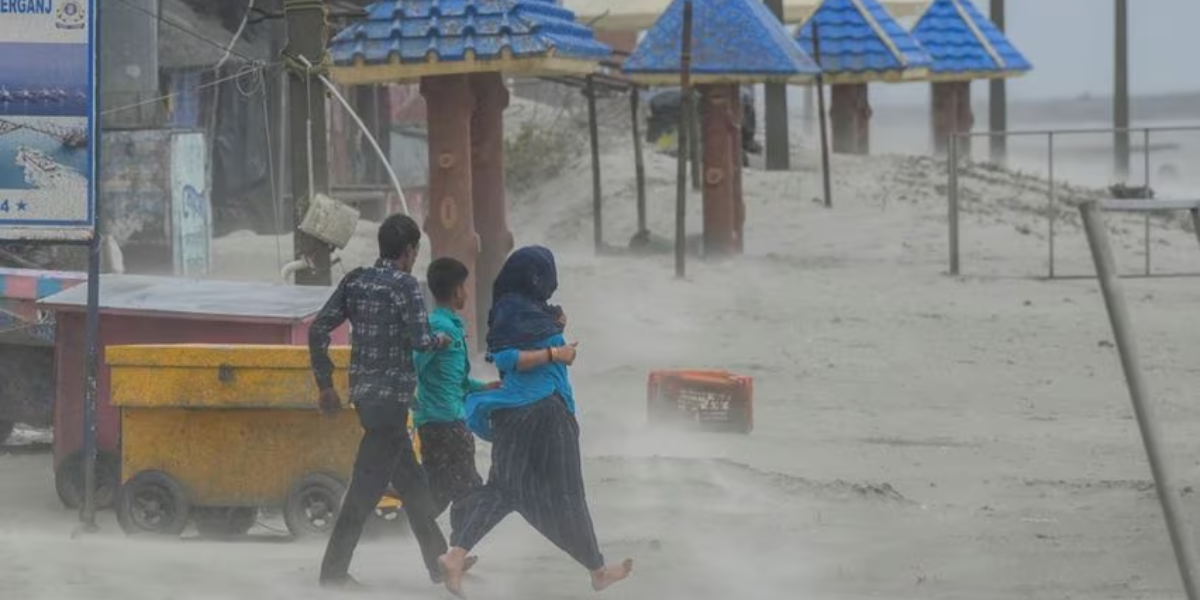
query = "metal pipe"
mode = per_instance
[
  {"x": 639, "y": 163},
  {"x": 952, "y": 196},
  {"x": 1085, "y": 131},
  {"x": 597, "y": 193},
  {"x": 87, "y": 513},
  {"x": 685, "y": 117},
  {"x": 383, "y": 157},
  {"x": 1146, "y": 179},
  {"x": 827, "y": 187},
  {"x": 1114, "y": 301},
  {"x": 1053, "y": 198}
]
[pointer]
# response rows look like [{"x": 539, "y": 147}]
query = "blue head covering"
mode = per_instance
[{"x": 520, "y": 314}]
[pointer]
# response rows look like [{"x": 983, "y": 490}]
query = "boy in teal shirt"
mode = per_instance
[{"x": 443, "y": 382}]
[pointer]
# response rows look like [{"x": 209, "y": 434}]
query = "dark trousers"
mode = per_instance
[
  {"x": 448, "y": 455},
  {"x": 536, "y": 471},
  {"x": 384, "y": 455}
]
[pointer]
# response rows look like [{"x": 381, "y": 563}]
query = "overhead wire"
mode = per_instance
[{"x": 190, "y": 32}]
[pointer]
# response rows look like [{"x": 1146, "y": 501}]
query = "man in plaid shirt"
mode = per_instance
[{"x": 386, "y": 310}]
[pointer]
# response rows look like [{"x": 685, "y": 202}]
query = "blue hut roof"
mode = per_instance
[
  {"x": 733, "y": 41},
  {"x": 965, "y": 45},
  {"x": 860, "y": 42},
  {"x": 406, "y": 39}
]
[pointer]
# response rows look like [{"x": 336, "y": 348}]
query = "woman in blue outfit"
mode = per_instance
[{"x": 530, "y": 420}]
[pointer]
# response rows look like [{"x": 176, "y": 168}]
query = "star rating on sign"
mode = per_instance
[{"x": 22, "y": 206}]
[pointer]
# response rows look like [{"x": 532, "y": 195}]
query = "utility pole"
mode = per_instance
[
  {"x": 775, "y": 128},
  {"x": 1121, "y": 89},
  {"x": 306, "y": 115},
  {"x": 998, "y": 100}
]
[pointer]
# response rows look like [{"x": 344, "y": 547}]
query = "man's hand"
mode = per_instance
[
  {"x": 562, "y": 319},
  {"x": 329, "y": 403},
  {"x": 565, "y": 354},
  {"x": 443, "y": 340}
]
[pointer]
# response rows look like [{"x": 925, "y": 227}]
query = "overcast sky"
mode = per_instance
[{"x": 1070, "y": 45}]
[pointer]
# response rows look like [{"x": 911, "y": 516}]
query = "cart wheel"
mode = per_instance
[
  {"x": 386, "y": 523},
  {"x": 224, "y": 522},
  {"x": 6, "y": 429},
  {"x": 312, "y": 505},
  {"x": 68, "y": 479},
  {"x": 153, "y": 502}
]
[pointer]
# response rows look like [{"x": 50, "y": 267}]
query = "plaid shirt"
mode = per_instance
[{"x": 386, "y": 310}]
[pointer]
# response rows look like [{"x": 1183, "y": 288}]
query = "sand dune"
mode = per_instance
[{"x": 918, "y": 436}]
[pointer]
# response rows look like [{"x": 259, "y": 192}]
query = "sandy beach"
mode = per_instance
[{"x": 917, "y": 435}]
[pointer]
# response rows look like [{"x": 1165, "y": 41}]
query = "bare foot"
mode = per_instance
[
  {"x": 469, "y": 562},
  {"x": 454, "y": 565},
  {"x": 608, "y": 575}
]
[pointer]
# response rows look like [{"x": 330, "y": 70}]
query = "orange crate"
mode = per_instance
[{"x": 704, "y": 400}]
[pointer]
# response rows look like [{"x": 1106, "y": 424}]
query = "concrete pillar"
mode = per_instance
[
  {"x": 487, "y": 181},
  {"x": 720, "y": 216},
  {"x": 850, "y": 115},
  {"x": 450, "y": 221}
]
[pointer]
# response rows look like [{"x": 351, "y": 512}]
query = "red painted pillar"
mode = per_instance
[
  {"x": 739, "y": 202},
  {"x": 850, "y": 114},
  {"x": 450, "y": 221},
  {"x": 719, "y": 211},
  {"x": 491, "y": 213}
]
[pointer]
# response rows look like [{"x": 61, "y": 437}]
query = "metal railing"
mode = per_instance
[{"x": 954, "y": 166}]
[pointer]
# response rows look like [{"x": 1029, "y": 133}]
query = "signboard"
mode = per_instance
[
  {"x": 191, "y": 222},
  {"x": 47, "y": 119}
]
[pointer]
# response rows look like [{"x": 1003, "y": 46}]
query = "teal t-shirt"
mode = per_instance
[{"x": 444, "y": 377}]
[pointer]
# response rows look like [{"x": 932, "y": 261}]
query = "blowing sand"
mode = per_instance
[{"x": 917, "y": 435}]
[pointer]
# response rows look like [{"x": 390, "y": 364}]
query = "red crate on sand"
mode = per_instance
[{"x": 704, "y": 400}]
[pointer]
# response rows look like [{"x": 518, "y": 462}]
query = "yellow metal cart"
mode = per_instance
[{"x": 212, "y": 433}]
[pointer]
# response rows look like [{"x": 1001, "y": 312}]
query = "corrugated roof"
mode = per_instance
[
  {"x": 733, "y": 41},
  {"x": 197, "y": 298},
  {"x": 860, "y": 41},
  {"x": 428, "y": 32},
  {"x": 635, "y": 15},
  {"x": 964, "y": 44}
]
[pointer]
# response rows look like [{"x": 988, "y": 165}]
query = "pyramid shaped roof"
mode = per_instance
[
  {"x": 408, "y": 39},
  {"x": 861, "y": 42},
  {"x": 733, "y": 41},
  {"x": 965, "y": 45}
]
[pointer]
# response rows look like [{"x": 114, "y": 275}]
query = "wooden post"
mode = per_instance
[
  {"x": 1121, "y": 89},
  {"x": 778, "y": 142},
  {"x": 597, "y": 197},
  {"x": 307, "y": 34},
  {"x": 718, "y": 196},
  {"x": 639, "y": 164},
  {"x": 489, "y": 204},
  {"x": 850, "y": 113},
  {"x": 998, "y": 100},
  {"x": 951, "y": 114},
  {"x": 685, "y": 118}
]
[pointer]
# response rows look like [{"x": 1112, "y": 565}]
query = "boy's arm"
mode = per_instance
[
  {"x": 475, "y": 385},
  {"x": 422, "y": 358},
  {"x": 332, "y": 315},
  {"x": 412, "y": 307}
]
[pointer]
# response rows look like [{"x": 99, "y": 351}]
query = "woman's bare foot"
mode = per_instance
[
  {"x": 454, "y": 565},
  {"x": 608, "y": 575}
]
